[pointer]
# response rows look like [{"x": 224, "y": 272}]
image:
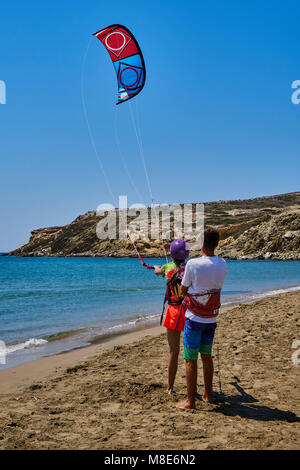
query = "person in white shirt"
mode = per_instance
[{"x": 201, "y": 286}]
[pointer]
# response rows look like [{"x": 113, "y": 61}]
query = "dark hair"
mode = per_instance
[
  {"x": 178, "y": 262},
  {"x": 211, "y": 238}
]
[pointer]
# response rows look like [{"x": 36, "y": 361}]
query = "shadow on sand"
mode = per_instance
[{"x": 243, "y": 405}]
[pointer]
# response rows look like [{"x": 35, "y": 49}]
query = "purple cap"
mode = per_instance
[{"x": 179, "y": 250}]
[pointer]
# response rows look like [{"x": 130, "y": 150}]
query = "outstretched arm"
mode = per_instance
[{"x": 158, "y": 270}]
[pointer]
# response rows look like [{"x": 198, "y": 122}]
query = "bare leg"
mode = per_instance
[
  {"x": 208, "y": 372},
  {"x": 174, "y": 345},
  {"x": 191, "y": 383}
]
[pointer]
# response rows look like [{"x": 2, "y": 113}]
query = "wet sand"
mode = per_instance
[{"x": 112, "y": 396}]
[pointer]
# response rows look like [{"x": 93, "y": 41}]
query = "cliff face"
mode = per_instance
[
  {"x": 275, "y": 238},
  {"x": 260, "y": 228}
]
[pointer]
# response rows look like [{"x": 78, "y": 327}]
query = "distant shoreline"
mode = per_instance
[{"x": 133, "y": 256}]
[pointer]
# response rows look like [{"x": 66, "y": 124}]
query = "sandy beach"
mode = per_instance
[{"x": 112, "y": 395}]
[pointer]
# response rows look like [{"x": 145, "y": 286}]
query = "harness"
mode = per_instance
[
  {"x": 208, "y": 307},
  {"x": 173, "y": 291}
]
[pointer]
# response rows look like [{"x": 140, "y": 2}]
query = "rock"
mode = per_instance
[{"x": 291, "y": 234}]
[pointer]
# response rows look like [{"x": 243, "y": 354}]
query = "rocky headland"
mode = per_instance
[{"x": 258, "y": 228}]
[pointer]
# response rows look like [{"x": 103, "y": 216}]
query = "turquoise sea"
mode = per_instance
[{"x": 52, "y": 305}]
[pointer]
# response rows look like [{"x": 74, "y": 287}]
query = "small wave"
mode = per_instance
[
  {"x": 63, "y": 334},
  {"x": 122, "y": 328},
  {"x": 19, "y": 295},
  {"x": 130, "y": 323},
  {"x": 260, "y": 295},
  {"x": 278, "y": 291},
  {"x": 30, "y": 343}
]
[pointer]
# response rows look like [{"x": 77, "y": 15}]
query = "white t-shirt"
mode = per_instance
[{"x": 202, "y": 274}]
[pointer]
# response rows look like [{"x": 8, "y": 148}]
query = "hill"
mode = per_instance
[{"x": 258, "y": 228}]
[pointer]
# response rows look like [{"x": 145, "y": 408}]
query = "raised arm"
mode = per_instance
[{"x": 158, "y": 270}]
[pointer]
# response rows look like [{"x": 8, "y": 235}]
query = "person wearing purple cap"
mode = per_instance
[{"x": 174, "y": 272}]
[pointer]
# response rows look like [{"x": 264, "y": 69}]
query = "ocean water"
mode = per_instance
[{"x": 52, "y": 305}]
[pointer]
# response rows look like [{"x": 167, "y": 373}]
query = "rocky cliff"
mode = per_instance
[{"x": 259, "y": 228}]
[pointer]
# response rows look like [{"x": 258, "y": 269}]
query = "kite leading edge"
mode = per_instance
[{"x": 127, "y": 58}]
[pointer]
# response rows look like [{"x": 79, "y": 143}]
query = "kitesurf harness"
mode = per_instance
[
  {"x": 173, "y": 289},
  {"x": 207, "y": 307}
]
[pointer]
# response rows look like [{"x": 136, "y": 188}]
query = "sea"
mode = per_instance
[{"x": 54, "y": 305}]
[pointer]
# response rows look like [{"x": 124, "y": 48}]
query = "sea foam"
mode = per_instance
[{"x": 32, "y": 342}]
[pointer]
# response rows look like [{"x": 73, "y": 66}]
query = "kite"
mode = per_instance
[{"x": 127, "y": 58}]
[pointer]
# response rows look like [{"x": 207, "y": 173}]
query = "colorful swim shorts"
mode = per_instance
[{"x": 197, "y": 337}]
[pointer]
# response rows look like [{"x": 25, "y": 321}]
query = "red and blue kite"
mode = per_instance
[{"x": 127, "y": 58}]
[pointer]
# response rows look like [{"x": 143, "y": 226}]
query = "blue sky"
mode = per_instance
[{"x": 216, "y": 116}]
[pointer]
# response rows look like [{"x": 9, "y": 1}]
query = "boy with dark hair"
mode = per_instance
[{"x": 201, "y": 285}]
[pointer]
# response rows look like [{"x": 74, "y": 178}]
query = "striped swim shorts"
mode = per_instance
[{"x": 197, "y": 337}]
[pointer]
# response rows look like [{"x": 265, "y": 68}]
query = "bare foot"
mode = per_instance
[
  {"x": 169, "y": 391},
  {"x": 184, "y": 405},
  {"x": 206, "y": 399}
]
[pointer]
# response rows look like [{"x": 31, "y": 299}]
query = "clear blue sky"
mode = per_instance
[{"x": 216, "y": 115}]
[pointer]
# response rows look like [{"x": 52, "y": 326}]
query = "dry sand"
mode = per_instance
[{"x": 112, "y": 396}]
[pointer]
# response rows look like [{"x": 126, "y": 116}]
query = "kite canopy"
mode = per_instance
[{"x": 127, "y": 58}]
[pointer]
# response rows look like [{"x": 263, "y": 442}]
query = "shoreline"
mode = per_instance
[
  {"x": 116, "y": 390},
  {"x": 17, "y": 377},
  {"x": 52, "y": 363},
  {"x": 266, "y": 257},
  {"x": 62, "y": 347}
]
